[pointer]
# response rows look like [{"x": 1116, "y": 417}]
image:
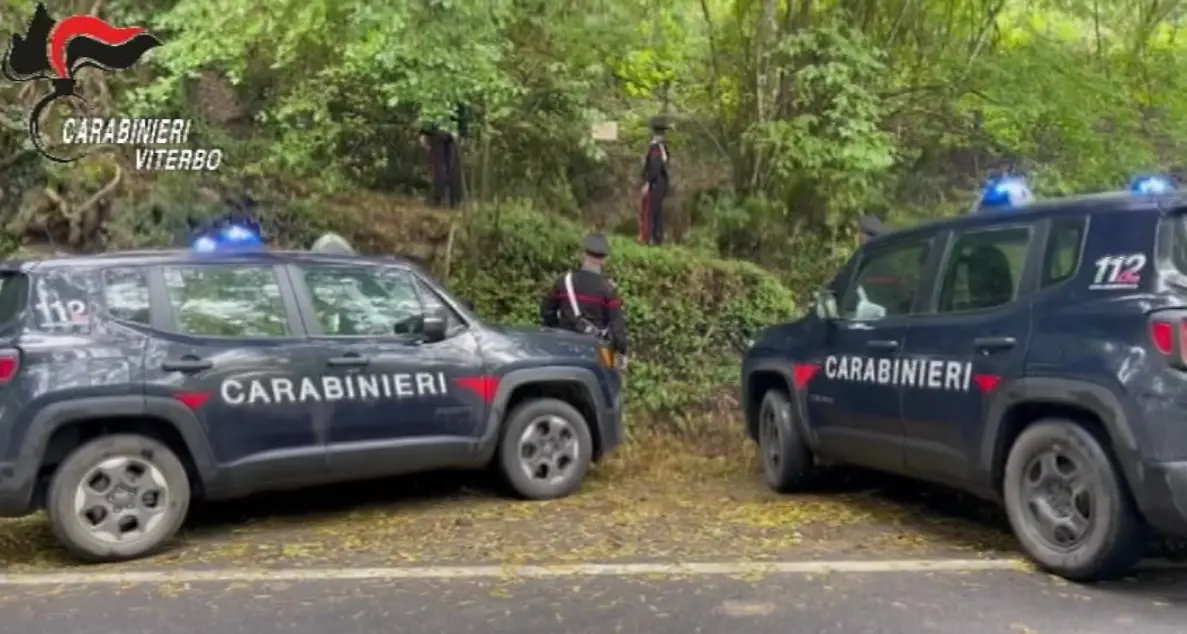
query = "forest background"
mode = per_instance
[{"x": 791, "y": 118}]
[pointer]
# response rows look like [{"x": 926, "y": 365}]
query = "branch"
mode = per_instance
[{"x": 103, "y": 192}]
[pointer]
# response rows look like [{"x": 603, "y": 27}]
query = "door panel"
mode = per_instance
[
  {"x": 228, "y": 347},
  {"x": 854, "y": 402},
  {"x": 978, "y": 331},
  {"x": 399, "y": 403}
]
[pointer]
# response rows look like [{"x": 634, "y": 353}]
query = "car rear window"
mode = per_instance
[
  {"x": 14, "y": 295},
  {"x": 63, "y": 300}
]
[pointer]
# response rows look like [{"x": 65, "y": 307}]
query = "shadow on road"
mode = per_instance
[
  {"x": 1162, "y": 586},
  {"x": 406, "y": 492}
]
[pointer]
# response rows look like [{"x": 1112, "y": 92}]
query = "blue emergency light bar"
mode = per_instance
[
  {"x": 1152, "y": 185},
  {"x": 1003, "y": 194},
  {"x": 227, "y": 234}
]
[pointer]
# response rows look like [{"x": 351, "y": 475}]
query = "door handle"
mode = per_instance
[
  {"x": 883, "y": 344},
  {"x": 188, "y": 363},
  {"x": 990, "y": 344},
  {"x": 348, "y": 361}
]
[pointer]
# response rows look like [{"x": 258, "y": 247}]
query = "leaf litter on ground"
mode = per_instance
[{"x": 658, "y": 498}]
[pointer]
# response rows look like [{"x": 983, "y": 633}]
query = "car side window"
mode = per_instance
[
  {"x": 227, "y": 301},
  {"x": 125, "y": 294},
  {"x": 63, "y": 300},
  {"x": 984, "y": 269},
  {"x": 14, "y": 294},
  {"x": 886, "y": 281},
  {"x": 361, "y": 302},
  {"x": 1062, "y": 255}
]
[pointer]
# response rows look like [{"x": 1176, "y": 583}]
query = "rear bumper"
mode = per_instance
[{"x": 1163, "y": 497}]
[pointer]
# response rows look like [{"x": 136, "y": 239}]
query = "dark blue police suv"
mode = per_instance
[
  {"x": 1036, "y": 357},
  {"x": 134, "y": 383}
]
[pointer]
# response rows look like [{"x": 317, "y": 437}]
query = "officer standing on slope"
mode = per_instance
[
  {"x": 585, "y": 301},
  {"x": 655, "y": 185}
]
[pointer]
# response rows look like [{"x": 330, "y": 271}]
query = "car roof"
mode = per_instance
[
  {"x": 1106, "y": 202},
  {"x": 151, "y": 257}
]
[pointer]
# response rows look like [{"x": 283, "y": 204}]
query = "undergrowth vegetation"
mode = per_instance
[{"x": 791, "y": 117}]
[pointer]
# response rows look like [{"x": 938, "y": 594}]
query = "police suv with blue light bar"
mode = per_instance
[
  {"x": 132, "y": 383},
  {"x": 1033, "y": 352}
]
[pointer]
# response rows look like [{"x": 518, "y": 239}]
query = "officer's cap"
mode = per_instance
[
  {"x": 596, "y": 245},
  {"x": 660, "y": 124}
]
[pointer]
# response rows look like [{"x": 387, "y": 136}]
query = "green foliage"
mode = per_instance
[
  {"x": 690, "y": 316},
  {"x": 792, "y": 117}
]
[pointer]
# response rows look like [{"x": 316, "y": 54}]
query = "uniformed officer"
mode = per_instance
[
  {"x": 445, "y": 158},
  {"x": 584, "y": 301},
  {"x": 655, "y": 185}
]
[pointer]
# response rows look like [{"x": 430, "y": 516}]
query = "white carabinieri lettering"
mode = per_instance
[
  {"x": 353, "y": 387},
  {"x": 932, "y": 374}
]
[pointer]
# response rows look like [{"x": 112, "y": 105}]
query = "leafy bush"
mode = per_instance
[{"x": 689, "y": 315}]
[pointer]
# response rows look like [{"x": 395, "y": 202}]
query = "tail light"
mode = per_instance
[
  {"x": 10, "y": 363},
  {"x": 1169, "y": 336}
]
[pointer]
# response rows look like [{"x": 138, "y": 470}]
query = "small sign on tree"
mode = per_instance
[{"x": 605, "y": 131}]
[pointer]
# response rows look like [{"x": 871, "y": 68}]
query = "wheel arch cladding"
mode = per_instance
[
  {"x": 571, "y": 387},
  {"x": 1024, "y": 402},
  {"x": 758, "y": 382},
  {"x": 60, "y": 430}
]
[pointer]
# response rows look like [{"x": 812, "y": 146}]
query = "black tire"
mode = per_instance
[
  {"x": 787, "y": 461},
  {"x": 510, "y": 460},
  {"x": 1116, "y": 536},
  {"x": 69, "y": 526}
]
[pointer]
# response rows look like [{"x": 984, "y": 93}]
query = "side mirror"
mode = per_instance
[
  {"x": 826, "y": 305},
  {"x": 435, "y": 327}
]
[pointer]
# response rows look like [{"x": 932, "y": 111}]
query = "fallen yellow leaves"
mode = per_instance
[{"x": 655, "y": 499}]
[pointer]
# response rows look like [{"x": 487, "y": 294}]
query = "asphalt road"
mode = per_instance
[{"x": 857, "y": 603}]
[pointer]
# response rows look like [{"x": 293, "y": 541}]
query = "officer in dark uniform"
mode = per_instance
[
  {"x": 655, "y": 185},
  {"x": 585, "y": 301}
]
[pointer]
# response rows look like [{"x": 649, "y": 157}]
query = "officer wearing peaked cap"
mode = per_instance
[
  {"x": 584, "y": 301},
  {"x": 655, "y": 185}
]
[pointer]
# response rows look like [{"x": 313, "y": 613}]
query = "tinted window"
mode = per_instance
[
  {"x": 227, "y": 301},
  {"x": 1062, "y": 256},
  {"x": 125, "y": 292},
  {"x": 352, "y": 301},
  {"x": 14, "y": 292},
  {"x": 1173, "y": 241},
  {"x": 984, "y": 269},
  {"x": 63, "y": 300},
  {"x": 886, "y": 282}
]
